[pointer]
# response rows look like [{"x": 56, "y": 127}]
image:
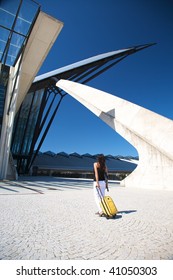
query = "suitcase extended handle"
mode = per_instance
[{"x": 100, "y": 193}]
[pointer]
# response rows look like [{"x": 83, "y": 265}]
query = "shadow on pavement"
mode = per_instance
[
  {"x": 119, "y": 216},
  {"x": 8, "y": 189},
  {"x": 127, "y": 211}
]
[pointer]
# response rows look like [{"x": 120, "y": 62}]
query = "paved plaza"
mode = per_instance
[{"x": 46, "y": 218}]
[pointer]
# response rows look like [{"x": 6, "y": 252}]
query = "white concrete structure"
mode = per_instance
[
  {"x": 151, "y": 134},
  {"x": 44, "y": 34}
]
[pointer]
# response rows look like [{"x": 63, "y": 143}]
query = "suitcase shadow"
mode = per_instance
[
  {"x": 116, "y": 217},
  {"x": 127, "y": 211},
  {"x": 119, "y": 216}
]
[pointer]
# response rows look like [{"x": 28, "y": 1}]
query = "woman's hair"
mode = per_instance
[{"x": 101, "y": 160}]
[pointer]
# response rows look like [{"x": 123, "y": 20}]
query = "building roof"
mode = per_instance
[
  {"x": 81, "y": 63},
  {"x": 76, "y": 162},
  {"x": 86, "y": 69}
]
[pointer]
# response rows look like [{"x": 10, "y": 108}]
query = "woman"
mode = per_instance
[{"x": 100, "y": 170}]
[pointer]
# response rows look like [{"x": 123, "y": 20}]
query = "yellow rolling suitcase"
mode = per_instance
[{"x": 107, "y": 204}]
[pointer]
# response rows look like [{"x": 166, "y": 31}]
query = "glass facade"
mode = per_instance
[
  {"x": 3, "y": 87},
  {"x": 32, "y": 123},
  {"x": 25, "y": 123},
  {"x": 16, "y": 19}
]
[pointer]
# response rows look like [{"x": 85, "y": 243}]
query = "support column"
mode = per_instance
[{"x": 8, "y": 120}]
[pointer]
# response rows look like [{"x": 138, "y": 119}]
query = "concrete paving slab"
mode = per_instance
[{"x": 54, "y": 218}]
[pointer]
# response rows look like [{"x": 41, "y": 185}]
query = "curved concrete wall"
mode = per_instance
[{"x": 151, "y": 134}]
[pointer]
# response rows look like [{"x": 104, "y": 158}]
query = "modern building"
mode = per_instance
[
  {"x": 24, "y": 29},
  {"x": 28, "y": 104},
  {"x": 80, "y": 166}
]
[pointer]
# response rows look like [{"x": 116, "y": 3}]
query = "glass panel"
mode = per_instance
[
  {"x": 3, "y": 88},
  {"x": 14, "y": 28},
  {"x": 27, "y": 122}
]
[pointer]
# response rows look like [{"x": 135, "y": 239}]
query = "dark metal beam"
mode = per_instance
[{"x": 44, "y": 135}]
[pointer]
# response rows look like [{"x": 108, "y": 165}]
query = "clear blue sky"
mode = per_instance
[{"x": 146, "y": 78}]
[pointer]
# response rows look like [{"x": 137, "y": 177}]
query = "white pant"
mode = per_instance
[{"x": 102, "y": 185}]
